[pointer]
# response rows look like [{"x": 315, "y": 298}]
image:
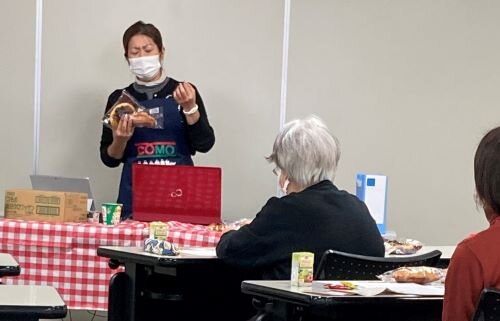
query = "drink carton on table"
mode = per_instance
[
  {"x": 302, "y": 268},
  {"x": 158, "y": 230}
]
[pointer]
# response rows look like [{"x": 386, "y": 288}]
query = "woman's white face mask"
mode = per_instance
[{"x": 145, "y": 68}]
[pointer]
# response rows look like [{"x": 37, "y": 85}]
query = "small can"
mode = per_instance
[
  {"x": 158, "y": 230},
  {"x": 111, "y": 213},
  {"x": 302, "y": 268}
]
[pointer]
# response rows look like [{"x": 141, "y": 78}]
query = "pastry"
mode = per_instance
[
  {"x": 143, "y": 119},
  {"x": 217, "y": 227},
  {"x": 118, "y": 111},
  {"x": 416, "y": 274},
  {"x": 404, "y": 247}
]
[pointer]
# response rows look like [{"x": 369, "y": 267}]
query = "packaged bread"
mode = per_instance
[
  {"x": 417, "y": 274},
  {"x": 143, "y": 119},
  {"x": 161, "y": 247},
  {"x": 140, "y": 116},
  {"x": 402, "y": 247}
]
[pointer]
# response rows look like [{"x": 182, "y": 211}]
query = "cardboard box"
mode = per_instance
[{"x": 48, "y": 206}]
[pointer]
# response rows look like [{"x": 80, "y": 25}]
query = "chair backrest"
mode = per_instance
[
  {"x": 488, "y": 307},
  {"x": 336, "y": 265}
]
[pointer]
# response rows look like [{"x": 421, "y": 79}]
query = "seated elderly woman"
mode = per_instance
[
  {"x": 476, "y": 260},
  {"x": 313, "y": 216}
]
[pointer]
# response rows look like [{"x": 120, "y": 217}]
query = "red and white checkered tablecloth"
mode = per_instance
[
  {"x": 184, "y": 235},
  {"x": 63, "y": 255}
]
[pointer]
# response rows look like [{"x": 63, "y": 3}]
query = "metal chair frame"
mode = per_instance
[{"x": 336, "y": 265}]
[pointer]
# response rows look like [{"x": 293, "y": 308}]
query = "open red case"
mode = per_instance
[{"x": 188, "y": 194}]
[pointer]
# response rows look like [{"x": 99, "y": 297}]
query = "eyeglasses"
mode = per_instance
[{"x": 276, "y": 171}]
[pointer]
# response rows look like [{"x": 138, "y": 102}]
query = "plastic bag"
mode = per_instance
[
  {"x": 414, "y": 274},
  {"x": 402, "y": 247},
  {"x": 160, "y": 247},
  {"x": 141, "y": 117},
  {"x": 236, "y": 225}
]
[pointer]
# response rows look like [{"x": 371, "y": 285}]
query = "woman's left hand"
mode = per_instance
[{"x": 185, "y": 95}]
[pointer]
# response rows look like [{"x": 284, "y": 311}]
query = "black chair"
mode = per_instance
[
  {"x": 336, "y": 265},
  {"x": 264, "y": 309},
  {"x": 488, "y": 308}
]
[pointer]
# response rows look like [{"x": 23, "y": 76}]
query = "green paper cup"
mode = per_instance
[{"x": 111, "y": 213}]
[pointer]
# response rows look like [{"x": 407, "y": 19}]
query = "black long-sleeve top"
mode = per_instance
[
  {"x": 200, "y": 135},
  {"x": 316, "y": 219}
]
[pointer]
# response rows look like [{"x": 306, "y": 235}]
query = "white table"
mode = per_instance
[
  {"x": 444, "y": 260},
  {"x": 188, "y": 253},
  {"x": 30, "y": 302},
  {"x": 196, "y": 281},
  {"x": 8, "y": 265},
  {"x": 295, "y": 303},
  {"x": 447, "y": 250}
]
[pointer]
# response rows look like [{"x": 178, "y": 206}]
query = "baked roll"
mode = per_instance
[
  {"x": 118, "y": 111},
  {"x": 139, "y": 118},
  {"x": 417, "y": 274},
  {"x": 143, "y": 119}
]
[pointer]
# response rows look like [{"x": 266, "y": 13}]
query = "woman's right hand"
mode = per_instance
[
  {"x": 121, "y": 136},
  {"x": 125, "y": 129}
]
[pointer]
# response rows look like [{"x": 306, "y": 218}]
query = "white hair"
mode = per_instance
[{"x": 307, "y": 151}]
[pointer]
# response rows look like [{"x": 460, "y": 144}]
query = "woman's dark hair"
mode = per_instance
[
  {"x": 487, "y": 170},
  {"x": 141, "y": 28}
]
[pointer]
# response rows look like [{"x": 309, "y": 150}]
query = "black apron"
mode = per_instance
[{"x": 154, "y": 146}]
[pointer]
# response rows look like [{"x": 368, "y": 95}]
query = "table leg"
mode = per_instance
[{"x": 122, "y": 298}]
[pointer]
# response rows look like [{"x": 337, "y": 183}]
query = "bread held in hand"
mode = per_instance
[
  {"x": 118, "y": 111},
  {"x": 139, "y": 118}
]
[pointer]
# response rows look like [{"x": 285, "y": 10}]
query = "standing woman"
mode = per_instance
[{"x": 185, "y": 129}]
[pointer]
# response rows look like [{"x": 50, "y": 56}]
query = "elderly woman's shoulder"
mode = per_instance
[
  {"x": 281, "y": 202},
  {"x": 292, "y": 199},
  {"x": 275, "y": 200}
]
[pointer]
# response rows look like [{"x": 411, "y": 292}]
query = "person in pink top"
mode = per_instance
[{"x": 475, "y": 264}]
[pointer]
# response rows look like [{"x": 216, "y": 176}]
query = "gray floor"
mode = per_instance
[{"x": 82, "y": 315}]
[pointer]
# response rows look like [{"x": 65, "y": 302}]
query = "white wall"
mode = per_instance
[
  {"x": 230, "y": 51},
  {"x": 17, "y": 43},
  {"x": 409, "y": 87}
]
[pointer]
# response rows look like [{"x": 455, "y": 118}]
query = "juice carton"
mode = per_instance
[
  {"x": 158, "y": 230},
  {"x": 302, "y": 268}
]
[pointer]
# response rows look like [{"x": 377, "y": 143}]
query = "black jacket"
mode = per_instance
[{"x": 316, "y": 219}]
